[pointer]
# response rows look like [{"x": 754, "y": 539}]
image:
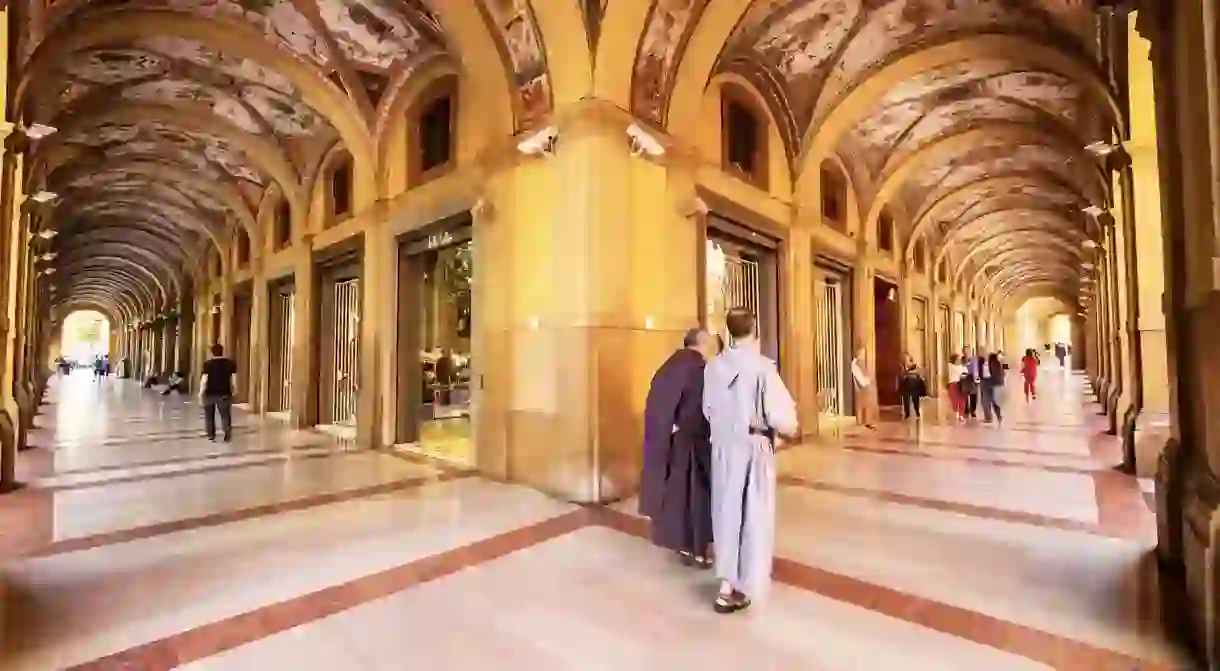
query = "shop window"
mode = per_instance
[
  {"x": 885, "y": 232},
  {"x": 341, "y": 187},
  {"x": 744, "y": 139},
  {"x": 243, "y": 247},
  {"x": 921, "y": 257},
  {"x": 834, "y": 195},
  {"x": 432, "y": 133},
  {"x": 283, "y": 224}
]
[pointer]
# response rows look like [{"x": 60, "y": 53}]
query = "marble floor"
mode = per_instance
[{"x": 138, "y": 544}]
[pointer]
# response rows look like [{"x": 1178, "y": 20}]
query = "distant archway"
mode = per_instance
[{"x": 86, "y": 336}]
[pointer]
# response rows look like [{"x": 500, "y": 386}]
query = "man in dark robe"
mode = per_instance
[{"x": 675, "y": 486}]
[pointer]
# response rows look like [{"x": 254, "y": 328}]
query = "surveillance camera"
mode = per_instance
[
  {"x": 541, "y": 143},
  {"x": 643, "y": 143}
]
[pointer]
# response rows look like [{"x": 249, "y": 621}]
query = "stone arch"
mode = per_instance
[
  {"x": 119, "y": 278},
  {"x": 237, "y": 40},
  {"x": 776, "y": 150},
  {"x": 1057, "y": 250},
  {"x": 78, "y": 304},
  {"x": 318, "y": 179},
  {"x": 1051, "y": 218},
  {"x": 835, "y": 118},
  {"x": 477, "y": 32},
  {"x": 156, "y": 292},
  {"x": 394, "y": 127},
  {"x": 160, "y": 267},
  {"x": 616, "y": 32}
]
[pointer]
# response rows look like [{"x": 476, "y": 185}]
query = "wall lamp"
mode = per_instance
[
  {"x": 44, "y": 197},
  {"x": 37, "y": 131},
  {"x": 643, "y": 143},
  {"x": 1100, "y": 149},
  {"x": 49, "y": 256},
  {"x": 541, "y": 143},
  {"x": 1093, "y": 211},
  {"x": 47, "y": 233}
]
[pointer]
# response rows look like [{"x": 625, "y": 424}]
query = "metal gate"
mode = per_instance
[
  {"x": 741, "y": 288},
  {"x": 281, "y": 353},
  {"x": 346, "y": 346},
  {"x": 830, "y": 347}
]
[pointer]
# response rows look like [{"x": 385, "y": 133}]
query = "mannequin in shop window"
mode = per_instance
[{"x": 867, "y": 407}]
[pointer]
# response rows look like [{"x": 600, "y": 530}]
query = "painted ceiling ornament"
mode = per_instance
[{"x": 660, "y": 52}]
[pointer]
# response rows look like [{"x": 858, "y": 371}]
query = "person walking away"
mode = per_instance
[
  {"x": 747, "y": 407},
  {"x": 176, "y": 382},
  {"x": 911, "y": 387},
  {"x": 676, "y": 482},
  {"x": 985, "y": 387},
  {"x": 1029, "y": 374},
  {"x": 970, "y": 383},
  {"x": 995, "y": 380},
  {"x": 216, "y": 393},
  {"x": 954, "y": 376},
  {"x": 99, "y": 368},
  {"x": 867, "y": 406},
  {"x": 1060, "y": 353}
]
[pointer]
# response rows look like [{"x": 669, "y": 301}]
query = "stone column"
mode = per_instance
[
  {"x": 377, "y": 325},
  {"x": 258, "y": 367},
  {"x": 169, "y": 356},
  {"x": 186, "y": 336},
  {"x": 595, "y": 258},
  {"x": 304, "y": 339}
]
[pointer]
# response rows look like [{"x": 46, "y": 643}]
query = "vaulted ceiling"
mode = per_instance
[{"x": 965, "y": 119}]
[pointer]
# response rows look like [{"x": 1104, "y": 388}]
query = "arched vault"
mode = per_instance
[
  {"x": 934, "y": 107},
  {"x": 176, "y": 118}
]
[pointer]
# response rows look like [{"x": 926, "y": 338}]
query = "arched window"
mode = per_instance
[
  {"x": 885, "y": 232},
  {"x": 942, "y": 272},
  {"x": 283, "y": 224},
  {"x": 744, "y": 132},
  {"x": 432, "y": 137},
  {"x": 834, "y": 195},
  {"x": 340, "y": 179},
  {"x": 215, "y": 262},
  {"x": 243, "y": 247},
  {"x": 921, "y": 256}
]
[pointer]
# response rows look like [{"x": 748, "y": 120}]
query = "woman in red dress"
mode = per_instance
[{"x": 1029, "y": 371}]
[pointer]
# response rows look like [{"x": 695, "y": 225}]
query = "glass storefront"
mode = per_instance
[{"x": 443, "y": 347}]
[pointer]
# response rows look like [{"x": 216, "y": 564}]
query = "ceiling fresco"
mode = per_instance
[{"x": 208, "y": 98}]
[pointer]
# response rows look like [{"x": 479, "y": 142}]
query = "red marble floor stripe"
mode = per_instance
[
  {"x": 1053, "y": 468},
  {"x": 1123, "y": 531},
  {"x": 1060, "y": 653},
  {"x": 268, "y": 460},
  {"x": 998, "y": 449},
  {"x": 421, "y": 459},
  {"x": 231, "y": 516},
  {"x": 217, "y": 637}
]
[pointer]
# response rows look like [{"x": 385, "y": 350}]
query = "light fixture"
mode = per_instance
[
  {"x": 541, "y": 143},
  {"x": 643, "y": 143},
  {"x": 50, "y": 271},
  {"x": 1086, "y": 266},
  {"x": 47, "y": 233},
  {"x": 44, "y": 197},
  {"x": 1089, "y": 244},
  {"x": 49, "y": 256},
  {"x": 37, "y": 131},
  {"x": 1093, "y": 211},
  {"x": 1100, "y": 149}
]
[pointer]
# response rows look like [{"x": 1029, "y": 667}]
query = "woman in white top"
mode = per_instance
[
  {"x": 867, "y": 408},
  {"x": 955, "y": 372}
]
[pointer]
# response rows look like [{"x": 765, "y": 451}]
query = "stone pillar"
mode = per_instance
[
  {"x": 377, "y": 329},
  {"x": 603, "y": 265},
  {"x": 186, "y": 336},
  {"x": 169, "y": 356},
  {"x": 1115, "y": 324},
  {"x": 304, "y": 339},
  {"x": 258, "y": 367},
  {"x": 798, "y": 316}
]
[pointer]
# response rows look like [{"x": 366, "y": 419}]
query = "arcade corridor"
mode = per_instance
[
  {"x": 447, "y": 243},
  {"x": 957, "y": 548}
]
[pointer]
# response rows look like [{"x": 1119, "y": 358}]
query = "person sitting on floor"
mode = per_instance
[{"x": 177, "y": 382}]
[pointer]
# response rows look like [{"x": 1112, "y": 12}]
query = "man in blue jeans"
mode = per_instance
[{"x": 216, "y": 392}]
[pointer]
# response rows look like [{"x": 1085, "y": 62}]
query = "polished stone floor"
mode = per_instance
[{"x": 932, "y": 546}]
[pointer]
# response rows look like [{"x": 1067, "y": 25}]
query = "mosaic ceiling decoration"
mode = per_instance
[
  {"x": 806, "y": 56},
  {"x": 203, "y": 96}
]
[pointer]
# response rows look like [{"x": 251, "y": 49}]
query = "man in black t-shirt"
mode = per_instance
[{"x": 216, "y": 392}]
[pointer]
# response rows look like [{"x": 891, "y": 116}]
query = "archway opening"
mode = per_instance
[{"x": 85, "y": 338}]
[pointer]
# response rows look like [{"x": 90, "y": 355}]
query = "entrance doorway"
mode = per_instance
[
  {"x": 889, "y": 341},
  {"x": 917, "y": 337},
  {"x": 435, "y": 324},
  {"x": 944, "y": 344},
  {"x": 833, "y": 341},
  {"x": 242, "y": 312},
  {"x": 741, "y": 272},
  {"x": 339, "y": 355},
  {"x": 283, "y": 322}
]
